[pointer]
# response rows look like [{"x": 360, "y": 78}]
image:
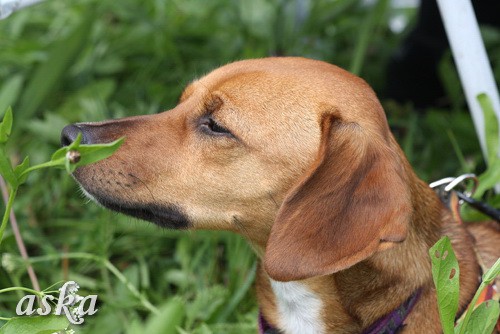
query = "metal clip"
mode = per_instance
[
  {"x": 444, "y": 186},
  {"x": 451, "y": 183}
]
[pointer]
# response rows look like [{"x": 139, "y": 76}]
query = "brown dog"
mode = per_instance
[{"x": 295, "y": 155}]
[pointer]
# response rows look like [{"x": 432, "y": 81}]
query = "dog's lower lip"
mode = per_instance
[{"x": 164, "y": 216}]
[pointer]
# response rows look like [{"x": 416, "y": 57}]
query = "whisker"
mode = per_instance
[
  {"x": 274, "y": 201},
  {"x": 145, "y": 185}
]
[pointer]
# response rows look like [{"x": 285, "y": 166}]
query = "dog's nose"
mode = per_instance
[{"x": 70, "y": 132}]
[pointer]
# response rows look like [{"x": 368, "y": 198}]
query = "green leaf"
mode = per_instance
[
  {"x": 484, "y": 318},
  {"x": 6, "y": 126},
  {"x": 76, "y": 143},
  {"x": 87, "y": 154},
  {"x": 10, "y": 91},
  {"x": 445, "y": 273},
  {"x": 95, "y": 152},
  {"x": 6, "y": 169},
  {"x": 35, "y": 325},
  {"x": 489, "y": 178},
  {"x": 135, "y": 327},
  {"x": 59, "y": 154},
  {"x": 72, "y": 149},
  {"x": 490, "y": 126},
  {"x": 170, "y": 317},
  {"x": 19, "y": 170}
]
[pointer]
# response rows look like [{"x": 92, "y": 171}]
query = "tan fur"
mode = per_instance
[{"x": 313, "y": 179}]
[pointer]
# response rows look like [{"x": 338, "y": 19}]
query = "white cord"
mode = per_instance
[{"x": 472, "y": 61}]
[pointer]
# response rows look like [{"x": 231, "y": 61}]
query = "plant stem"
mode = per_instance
[
  {"x": 471, "y": 307},
  {"x": 144, "y": 301},
  {"x": 19, "y": 239},
  {"x": 8, "y": 209},
  {"x": 51, "y": 163},
  {"x": 20, "y": 288}
]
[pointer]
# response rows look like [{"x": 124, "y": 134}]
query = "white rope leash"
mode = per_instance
[{"x": 471, "y": 59}]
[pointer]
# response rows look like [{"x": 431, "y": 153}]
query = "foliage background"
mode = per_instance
[{"x": 89, "y": 60}]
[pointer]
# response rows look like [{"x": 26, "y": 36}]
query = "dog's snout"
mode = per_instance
[{"x": 70, "y": 132}]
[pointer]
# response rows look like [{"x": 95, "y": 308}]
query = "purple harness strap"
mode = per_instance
[
  {"x": 265, "y": 327},
  {"x": 392, "y": 322},
  {"x": 389, "y": 324}
]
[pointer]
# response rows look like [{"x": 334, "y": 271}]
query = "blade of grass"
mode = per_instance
[
  {"x": 170, "y": 317},
  {"x": 409, "y": 140},
  {"x": 458, "y": 151},
  {"x": 374, "y": 19},
  {"x": 238, "y": 296},
  {"x": 49, "y": 74}
]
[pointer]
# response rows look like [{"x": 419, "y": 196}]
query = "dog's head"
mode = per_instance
[{"x": 294, "y": 154}]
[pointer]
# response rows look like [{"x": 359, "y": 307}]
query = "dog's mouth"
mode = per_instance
[
  {"x": 164, "y": 216},
  {"x": 104, "y": 191}
]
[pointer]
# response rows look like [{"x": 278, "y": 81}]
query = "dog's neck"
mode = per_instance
[{"x": 351, "y": 300}]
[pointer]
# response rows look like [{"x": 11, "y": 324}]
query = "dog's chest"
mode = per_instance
[{"x": 298, "y": 307}]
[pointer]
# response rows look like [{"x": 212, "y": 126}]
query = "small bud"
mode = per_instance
[{"x": 73, "y": 156}]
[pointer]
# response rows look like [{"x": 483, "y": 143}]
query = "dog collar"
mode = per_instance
[{"x": 388, "y": 324}]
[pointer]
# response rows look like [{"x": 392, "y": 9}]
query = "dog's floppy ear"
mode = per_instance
[{"x": 351, "y": 203}]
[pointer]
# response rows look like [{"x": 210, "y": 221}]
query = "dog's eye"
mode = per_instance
[{"x": 211, "y": 127}]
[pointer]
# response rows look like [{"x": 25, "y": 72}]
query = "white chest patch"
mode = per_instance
[{"x": 299, "y": 308}]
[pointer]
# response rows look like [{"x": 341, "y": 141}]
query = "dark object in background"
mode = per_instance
[{"x": 412, "y": 73}]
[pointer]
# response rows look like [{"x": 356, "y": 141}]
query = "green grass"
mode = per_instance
[{"x": 89, "y": 60}]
